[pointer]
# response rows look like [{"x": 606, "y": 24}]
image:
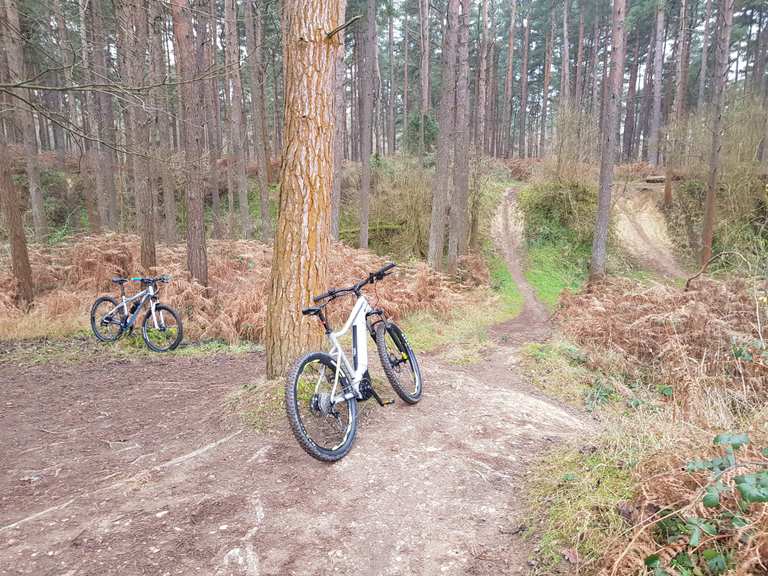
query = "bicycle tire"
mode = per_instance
[
  {"x": 292, "y": 400},
  {"x": 94, "y": 322},
  {"x": 179, "y": 329},
  {"x": 391, "y": 366}
]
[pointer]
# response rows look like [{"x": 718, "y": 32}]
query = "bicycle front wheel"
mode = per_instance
[
  {"x": 399, "y": 361},
  {"x": 324, "y": 425},
  {"x": 163, "y": 332}
]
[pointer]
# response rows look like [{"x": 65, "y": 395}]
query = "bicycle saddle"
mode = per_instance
[
  {"x": 314, "y": 311},
  {"x": 119, "y": 280}
]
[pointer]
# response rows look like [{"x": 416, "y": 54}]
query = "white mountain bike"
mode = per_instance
[{"x": 322, "y": 389}]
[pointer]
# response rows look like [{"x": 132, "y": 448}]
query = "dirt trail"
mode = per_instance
[
  {"x": 642, "y": 228},
  {"x": 140, "y": 468}
]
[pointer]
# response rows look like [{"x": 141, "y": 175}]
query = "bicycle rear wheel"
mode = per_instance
[
  {"x": 107, "y": 319},
  {"x": 399, "y": 361},
  {"x": 325, "y": 429}
]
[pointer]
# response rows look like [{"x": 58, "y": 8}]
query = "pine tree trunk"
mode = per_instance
[
  {"x": 458, "y": 237},
  {"x": 578, "y": 89},
  {"x": 565, "y": 66},
  {"x": 212, "y": 107},
  {"x": 645, "y": 104},
  {"x": 482, "y": 79},
  {"x": 106, "y": 120},
  {"x": 391, "y": 144},
  {"x": 701, "y": 98},
  {"x": 302, "y": 240},
  {"x": 629, "y": 119},
  {"x": 10, "y": 203},
  {"x": 406, "y": 64},
  {"x": 254, "y": 38},
  {"x": 63, "y": 41},
  {"x": 524, "y": 90},
  {"x": 677, "y": 124},
  {"x": 423, "y": 70},
  {"x": 658, "y": 61},
  {"x": 237, "y": 159},
  {"x": 545, "y": 87},
  {"x": 368, "y": 47},
  {"x": 15, "y": 57},
  {"x": 608, "y": 147},
  {"x": 190, "y": 113},
  {"x": 340, "y": 112},
  {"x": 506, "y": 120},
  {"x": 720, "y": 77},
  {"x": 441, "y": 187}
]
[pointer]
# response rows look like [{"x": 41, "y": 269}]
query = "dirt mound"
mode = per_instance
[
  {"x": 68, "y": 278},
  {"x": 642, "y": 228}
]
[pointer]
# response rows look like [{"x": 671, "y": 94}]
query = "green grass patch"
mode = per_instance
[
  {"x": 577, "y": 492},
  {"x": 503, "y": 284},
  {"x": 555, "y": 266}
]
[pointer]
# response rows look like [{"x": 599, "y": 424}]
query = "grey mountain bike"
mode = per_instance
[
  {"x": 161, "y": 326},
  {"x": 322, "y": 389}
]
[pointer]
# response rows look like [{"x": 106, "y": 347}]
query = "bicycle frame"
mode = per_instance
[
  {"x": 147, "y": 294},
  {"x": 357, "y": 323}
]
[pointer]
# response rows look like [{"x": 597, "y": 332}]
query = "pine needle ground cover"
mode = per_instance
[{"x": 676, "y": 481}]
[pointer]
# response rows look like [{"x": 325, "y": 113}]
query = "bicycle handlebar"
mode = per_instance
[
  {"x": 372, "y": 277},
  {"x": 165, "y": 278}
]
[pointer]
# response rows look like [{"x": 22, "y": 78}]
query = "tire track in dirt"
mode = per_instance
[{"x": 163, "y": 480}]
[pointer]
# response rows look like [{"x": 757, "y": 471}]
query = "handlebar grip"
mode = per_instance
[{"x": 387, "y": 267}]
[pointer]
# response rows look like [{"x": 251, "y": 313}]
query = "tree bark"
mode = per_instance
[
  {"x": 406, "y": 65},
  {"x": 15, "y": 58},
  {"x": 191, "y": 109},
  {"x": 423, "y": 71},
  {"x": 10, "y": 204},
  {"x": 237, "y": 159},
  {"x": 565, "y": 66},
  {"x": 445, "y": 145},
  {"x": 545, "y": 87},
  {"x": 340, "y": 112},
  {"x": 658, "y": 62},
  {"x": 608, "y": 148},
  {"x": 459, "y": 216},
  {"x": 578, "y": 89},
  {"x": 678, "y": 124},
  {"x": 482, "y": 79},
  {"x": 254, "y": 37},
  {"x": 701, "y": 98},
  {"x": 366, "y": 119},
  {"x": 629, "y": 119},
  {"x": 722, "y": 51},
  {"x": 523, "y": 90},
  {"x": 391, "y": 143},
  {"x": 302, "y": 240},
  {"x": 506, "y": 120}
]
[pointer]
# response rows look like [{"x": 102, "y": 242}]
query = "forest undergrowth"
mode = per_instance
[{"x": 676, "y": 481}]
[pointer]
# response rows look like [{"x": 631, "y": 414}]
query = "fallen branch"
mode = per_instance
[{"x": 708, "y": 262}]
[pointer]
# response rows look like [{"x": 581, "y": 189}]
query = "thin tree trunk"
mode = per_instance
[
  {"x": 565, "y": 66},
  {"x": 700, "y": 100},
  {"x": 645, "y": 104},
  {"x": 406, "y": 64},
  {"x": 506, "y": 119},
  {"x": 338, "y": 135},
  {"x": 15, "y": 57},
  {"x": 10, "y": 203},
  {"x": 658, "y": 61},
  {"x": 578, "y": 88},
  {"x": 523, "y": 90},
  {"x": 366, "y": 118},
  {"x": 423, "y": 71},
  {"x": 234, "y": 88},
  {"x": 191, "y": 109},
  {"x": 254, "y": 37},
  {"x": 722, "y": 51},
  {"x": 608, "y": 148},
  {"x": 302, "y": 240},
  {"x": 391, "y": 144},
  {"x": 482, "y": 79},
  {"x": 545, "y": 87},
  {"x": 441, "y": 187},
  {"x": 678, "y": 128},
  {"x": 629, "y": 119}
]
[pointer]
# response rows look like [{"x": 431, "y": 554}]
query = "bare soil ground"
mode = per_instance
[
  {"x": 141, "y": 467},
  {"x": 642, "y": 228}
]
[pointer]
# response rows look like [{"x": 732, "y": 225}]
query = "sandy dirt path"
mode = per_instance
[{"x": 140, "y": 468}]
